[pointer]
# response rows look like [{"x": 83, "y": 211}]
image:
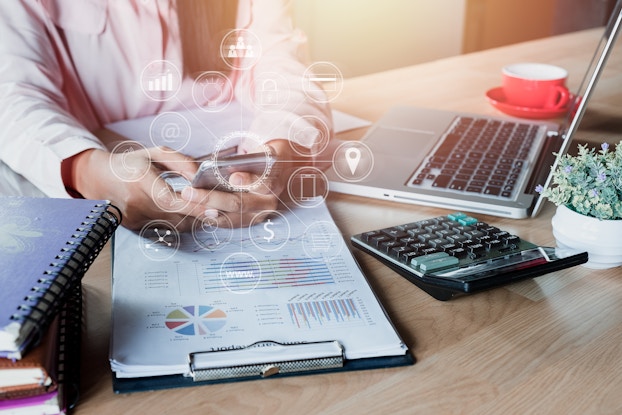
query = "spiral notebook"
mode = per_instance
[
  {"x": 46, "y": 246},
  {"x": 47, "y": 379}
]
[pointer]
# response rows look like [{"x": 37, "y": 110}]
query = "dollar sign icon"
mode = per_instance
[{"x": 267, "y": 229}]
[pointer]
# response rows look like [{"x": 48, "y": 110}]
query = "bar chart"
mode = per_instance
[
  {"x": 163, "y": 82},
  {"x": 275, "y": 274},
  {"x": 335, "y": 312}
]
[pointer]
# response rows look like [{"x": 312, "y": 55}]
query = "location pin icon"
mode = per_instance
[{"x": 353, "y": 157}]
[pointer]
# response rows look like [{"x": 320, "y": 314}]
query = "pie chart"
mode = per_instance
[{"x": 196, "y": 320}]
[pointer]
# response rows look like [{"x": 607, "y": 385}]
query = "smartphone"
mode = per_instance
[
  {"x": 176, "y": 181},
  {"x": 214, "y": 173}
]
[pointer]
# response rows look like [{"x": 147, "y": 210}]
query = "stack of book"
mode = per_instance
[{"x": 46, "y": 247}]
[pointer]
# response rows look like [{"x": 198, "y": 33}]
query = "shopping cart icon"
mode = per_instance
[{"x": 321, "y": 242}]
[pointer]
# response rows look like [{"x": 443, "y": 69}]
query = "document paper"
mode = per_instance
[{"x": 287, "y": 279}]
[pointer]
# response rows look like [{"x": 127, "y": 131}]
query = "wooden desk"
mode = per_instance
[{"x": 548, "y": 345}]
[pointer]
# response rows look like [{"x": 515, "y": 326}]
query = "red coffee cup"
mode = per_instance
[{"x": 535, "y": 85}]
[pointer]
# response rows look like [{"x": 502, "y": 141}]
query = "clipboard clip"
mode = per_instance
[{"x": 264, "y": 359}]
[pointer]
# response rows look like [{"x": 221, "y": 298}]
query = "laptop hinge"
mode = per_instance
[{"x": 552, "y": 144}]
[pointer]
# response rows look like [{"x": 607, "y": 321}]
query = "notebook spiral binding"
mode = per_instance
[
  {"x": 70, "y": 332},
  {"x": 68, "y": 268}
]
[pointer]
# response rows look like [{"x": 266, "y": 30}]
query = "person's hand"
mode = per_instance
[
  {"x": 264, "y": 195},
  {"x": 132, "y": 182}
]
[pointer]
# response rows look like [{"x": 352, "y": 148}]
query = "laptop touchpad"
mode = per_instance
[{"x": 407, "y": 143}]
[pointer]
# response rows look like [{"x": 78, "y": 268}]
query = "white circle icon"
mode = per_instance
[
  {"x": 159, "y": 240},
  {"x": 240, "y": 49},
  {"x": 212, "y": 91},
  {"x": 170, "y": 130},
  {"x": 269, "y": 234},
  {"x": 322, "y": 82},
  {"x": 353, "y": 161},
  {"x": 240, "y": 273},
  {"x": 160, "y": 80}
]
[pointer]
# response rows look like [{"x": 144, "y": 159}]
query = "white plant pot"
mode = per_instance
[{"x": 601, "y": 239}]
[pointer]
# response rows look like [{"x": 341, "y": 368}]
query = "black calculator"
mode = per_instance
[{"x": 458, "y": 254}]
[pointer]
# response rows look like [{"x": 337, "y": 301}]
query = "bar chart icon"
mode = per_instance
[{"x": 162, "y": 82}]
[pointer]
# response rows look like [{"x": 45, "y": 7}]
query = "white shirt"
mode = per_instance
[{"x": 69, "y": 67}]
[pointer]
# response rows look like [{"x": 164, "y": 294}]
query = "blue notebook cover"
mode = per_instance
[{"x": 46, "y": 246}]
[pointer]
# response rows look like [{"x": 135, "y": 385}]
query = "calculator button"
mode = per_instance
[
  {"x": 439, "y": 264},
  {"x": 377, "y": 240},
  {"x": 493, "y": 244},
  {"x": 426, "y": 237},
  {"x": 476, "y": 249},
  {"x": 417, "y": 261},
  {"x": 398, "y": 251},
  {"x": 387, "y": 246},
  {"x": 457, "y": 215},
  {"x": 394, "y": 233},
  {"x": 512, "y": 240},
  {"x": 458, "y": 252},
  {"x": 447, "y": 247},
  {"x": 366, "y": 237},
  {"x": 457, "y": 238}
]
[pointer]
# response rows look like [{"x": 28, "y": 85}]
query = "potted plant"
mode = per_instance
[{"x": 587, "y": 189}]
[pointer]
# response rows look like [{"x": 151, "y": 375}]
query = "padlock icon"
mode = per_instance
[{"x": 269, "y": 93}]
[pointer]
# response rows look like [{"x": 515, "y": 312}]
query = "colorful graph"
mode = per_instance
[
  {"x": 275, "y": 273},
  {"x": 325, "y": 312},
  {"x": 196, "y": 320}
]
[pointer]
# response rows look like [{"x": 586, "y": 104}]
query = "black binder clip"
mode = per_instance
[{"x": 264, "y": 359}]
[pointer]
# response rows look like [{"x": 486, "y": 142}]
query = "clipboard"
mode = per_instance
[
  {"x": 283, "y": 312},
  {"x": 261, "y": 360}
]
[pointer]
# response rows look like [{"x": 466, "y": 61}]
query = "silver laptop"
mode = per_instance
[{"x": 414, "y": 155}]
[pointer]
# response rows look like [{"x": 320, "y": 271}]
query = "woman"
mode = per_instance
[{"x": 67, "y": 68}]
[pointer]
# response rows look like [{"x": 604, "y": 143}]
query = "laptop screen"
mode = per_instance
[{"x": 577, "y": 108}]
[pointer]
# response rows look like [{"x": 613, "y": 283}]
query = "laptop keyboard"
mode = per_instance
[
  {"x": 479, "y": 156},
  {"x": 457, "y": 253}
]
